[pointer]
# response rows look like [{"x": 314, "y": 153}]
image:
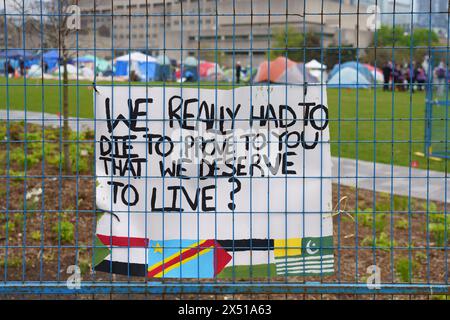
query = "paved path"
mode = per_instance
[
  {"x": 49, "y": 119},
  {"x": 399, "y": 180},
  {"x": 405, "y": 181}
]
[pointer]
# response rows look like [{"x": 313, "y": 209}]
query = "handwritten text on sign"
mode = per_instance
[
  {"x": 154, "y": 142},
  {"x": 238, "y": 174}
]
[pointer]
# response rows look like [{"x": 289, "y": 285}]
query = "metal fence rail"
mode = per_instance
[{"x": 375, "y": 74}]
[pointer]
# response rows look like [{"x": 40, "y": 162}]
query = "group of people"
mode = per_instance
[
  {"x": 10, "y": 71},
  {"x": 406, "y": 77}
]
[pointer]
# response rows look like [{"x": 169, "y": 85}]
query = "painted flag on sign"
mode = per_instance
[
  {"x": 307, "y": 256},
  {"x": 186, "y": 259},
  {"x": 222, "y": 201}
]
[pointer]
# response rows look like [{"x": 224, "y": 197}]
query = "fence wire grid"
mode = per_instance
[{"x": 380, "y": 67}]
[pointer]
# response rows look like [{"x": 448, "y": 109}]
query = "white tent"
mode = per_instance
[
  {"x": 190, "y": 61},
  {"x": 71, "y": 70},
  {"x": 135, "y": 61},
  {"x": 314, "y": 64},
  {"x": 35, "y": 71},
  {"x": 136, "y": 56},
  {"x": 318, "y": 70}
]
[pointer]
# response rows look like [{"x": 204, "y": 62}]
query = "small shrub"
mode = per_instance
[
  {"x": 421, "y": 257},
  {"x": 84, "y": 266},
  {"x": 366, "y": 219},
  {"x": 10, "y": 226},
  {"x": 439, "y": 297},
  {"x": 382, "y": 242},
  {"x": 16, "y": 175},
  {"x": 36, "y": 235},
  {"x": 65, "y": 230},
  {"x": 401, "y": 203},
  {"x": 437, "y": 232},
  {"x": 402, "y": 266},
  {"x": 12, "y": 262},
  {"x": 18, "y": 219},
  {"x": 401, "y": 224}
]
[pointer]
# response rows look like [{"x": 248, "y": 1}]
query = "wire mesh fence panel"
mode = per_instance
[{"x": 215, "y": 148}]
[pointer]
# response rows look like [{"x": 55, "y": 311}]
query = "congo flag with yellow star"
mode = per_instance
[
  {"x": 160, "y": 259},
  {"x": 186, "y": 259}
]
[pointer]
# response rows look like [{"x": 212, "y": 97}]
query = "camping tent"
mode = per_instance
[
  {"x": 51, "y": 58},
  {"x": 146, "y": 67},
  {"x": 376, "y": 72},
  {"x": 35, "y": 71},
  {"x": 283, "y": 70},
  {"x": 210, "y": 71},
  {"x": 16, "y": 54},
  {"x": 190, "y": 61},
  {"x": 349, "y": 77},
  {"x": 71, "y": 70},
  {"x": 13, "y": 56},
  {"x": 190, "y": 69},
  {"x": 249, "y": 73},
  {"x": 356, "y": 75},
  {"x": 317, "y": 69},
  {"x": 164, "y": 68},
  {"x": 88, "y": 60}
]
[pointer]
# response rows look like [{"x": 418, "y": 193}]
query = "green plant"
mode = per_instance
[
  {"x": 401, "y": 203},
  {"x": 18, "y": 157},
  {"x": 3, "y": 133},
  {"x": 16, "y": 175},
  {"x": 421, "y": 257},
  {"x": 65, "y": 230},
  {"x": 36, "y": 235},
  {"x": 382, "y": 242},
  {"x": 431, "y": 207},
  {"x": 401, "y": 224},
  {"x": 439, "y": 297},
  {"x": 437, "y": 231},
  {"x": 10, "y": 226},
  {"x": 18, "y": 219},
  {"x": 366, "y": 219},
  {"x": 403, "y": 266},
  {"x": 84, "y": 266},
  {"x": 12, "y": 262}
]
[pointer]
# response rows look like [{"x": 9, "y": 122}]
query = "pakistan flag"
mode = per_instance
[
  {"x": 305, "y": 256},
  {"x": 310, "y": 256}
]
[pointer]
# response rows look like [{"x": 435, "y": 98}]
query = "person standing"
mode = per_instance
[
  {"x": 238, "y": 71},
  {"x": 420, "y": 78},
  {"x": 410, "y": 76},
  {"x": 22, "y": 67},
  {"x": 9, "y": 69},
  {"x": 440, "y": 73},
  {"x": 426, "y": 64},
  {"x": 387, "y": 72}
]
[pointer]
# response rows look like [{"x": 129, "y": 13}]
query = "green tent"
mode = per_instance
[{"x": 101, "y": 65}]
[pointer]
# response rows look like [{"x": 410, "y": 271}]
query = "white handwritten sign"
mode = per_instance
[{"x": 206, "y": 183}]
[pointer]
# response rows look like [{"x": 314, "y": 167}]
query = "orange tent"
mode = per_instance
[{"x": 277, "y": 68}]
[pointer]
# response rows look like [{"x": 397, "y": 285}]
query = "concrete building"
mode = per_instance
[
  {"x": 432, "y": 14},
  {"x": 391, "y": 12},
  {"x": 209, "y": 28}
]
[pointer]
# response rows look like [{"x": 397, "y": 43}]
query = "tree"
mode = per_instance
[
  {"x": 291, "y": 43},
  {"x": 295, "y": 45},
  {"x": 61, "y": 22},
  {"x": 334, "y": 55},
  {"x": 394, "y": 43}
]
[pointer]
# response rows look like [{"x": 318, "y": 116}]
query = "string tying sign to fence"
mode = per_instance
[{"x": 204, "y": 183}]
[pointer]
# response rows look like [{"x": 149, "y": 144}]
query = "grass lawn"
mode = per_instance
[{"x": 365, "y": 124}]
